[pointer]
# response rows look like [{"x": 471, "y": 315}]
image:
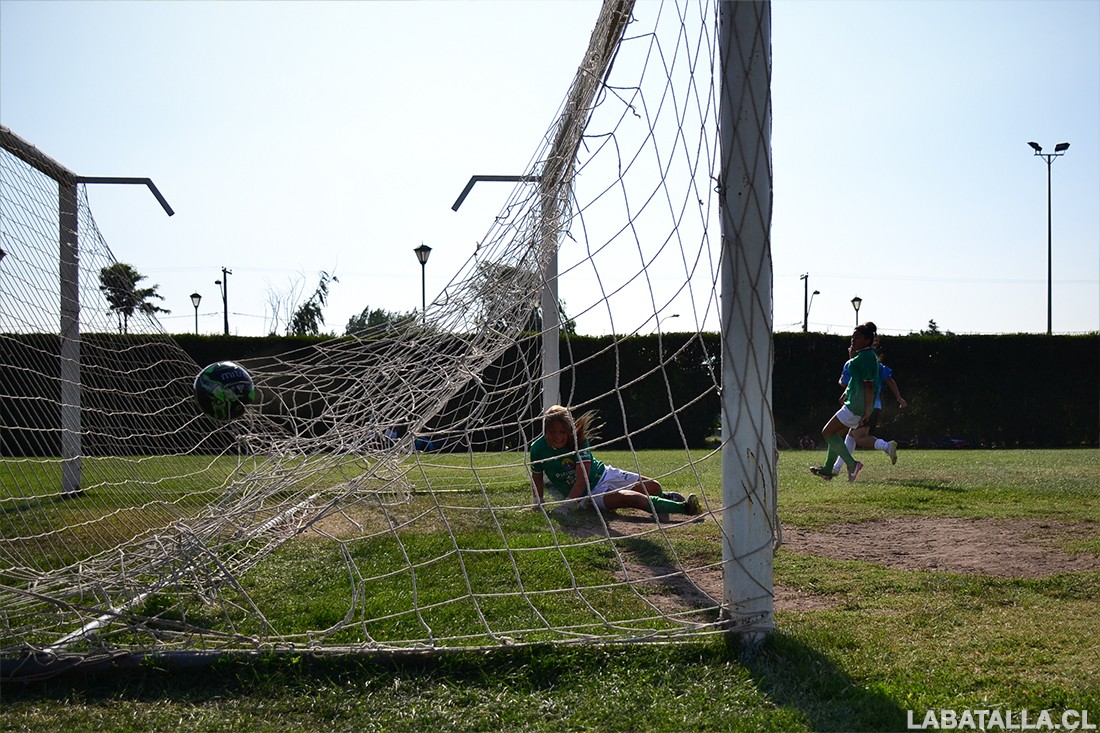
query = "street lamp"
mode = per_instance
[
  {"x": 195, "y": 300},
  {"x": 1059, "y": 150},
  {"x": 856, "y": 303},
  {"x": 807, "y": 301},
  {"x": 662, "y": 320},
  {"x": 422, "y": 253},
  {"x": 224, "y": 282}
]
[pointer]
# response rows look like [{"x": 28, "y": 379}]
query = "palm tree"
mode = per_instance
[{"x": 118, "y": 282}]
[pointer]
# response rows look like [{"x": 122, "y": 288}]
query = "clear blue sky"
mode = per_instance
[{"x": 294, "y": 137}]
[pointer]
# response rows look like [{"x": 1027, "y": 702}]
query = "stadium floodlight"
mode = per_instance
[
  {"x": 1059, "y": 150},
  {"x": 856, "y": 303},
  {"x": 422, "y": 253},
  {"x": 195, "y": 300}
]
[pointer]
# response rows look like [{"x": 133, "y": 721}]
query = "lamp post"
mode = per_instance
[
  {"x": 807, "y": 301},
  {"x": 662, "y": 320},
  {"x": 224, "y": 282},
  {"x": 422, "y": 253},
  {"x": 1059, "y": 150},
  {"x": 856, "y": 303},
  {"x": 195, "y": 300}
]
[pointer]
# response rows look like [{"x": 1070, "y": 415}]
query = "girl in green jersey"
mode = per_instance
[
  {"x": 859, "y": 401},
  {"x": 562, "y": 458}
]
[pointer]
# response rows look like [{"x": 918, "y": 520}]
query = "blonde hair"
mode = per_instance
[{"x": 584, "y": 429}]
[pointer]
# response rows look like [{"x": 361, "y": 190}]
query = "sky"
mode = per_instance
[{"x": 292, "y": 138}]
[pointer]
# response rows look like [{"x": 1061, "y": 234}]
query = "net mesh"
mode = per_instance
[{"x": 377, "y": 496}]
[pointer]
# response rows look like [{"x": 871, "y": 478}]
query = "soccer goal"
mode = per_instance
[{"x": 377, "y": 497}]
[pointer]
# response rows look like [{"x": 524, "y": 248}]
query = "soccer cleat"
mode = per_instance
[
  {"x": 821, "y": 472},
  {"x": 673, "y": 495},
  {"x": 892, "y": 451},
  {"x": 692, "y": 505},
  {"x": 855, "y": 471}
]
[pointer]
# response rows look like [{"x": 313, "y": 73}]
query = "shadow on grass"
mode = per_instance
[
  {"x": 798, "y": 677},
  {"x": 784, "y": 685},
  {"x": 40, "y": 502},
  {"x": 924, "y": 485}
]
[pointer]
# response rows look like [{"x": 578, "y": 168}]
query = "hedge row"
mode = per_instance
[{"x": 980, "y": 391}]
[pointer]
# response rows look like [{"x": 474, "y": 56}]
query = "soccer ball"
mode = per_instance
[{"x": 223, "y": 390}]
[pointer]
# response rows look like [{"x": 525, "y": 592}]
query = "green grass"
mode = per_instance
[{"x": 884, "y": 642}]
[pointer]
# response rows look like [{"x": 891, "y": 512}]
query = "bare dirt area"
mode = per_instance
[{"x": 1018, "y": 548}]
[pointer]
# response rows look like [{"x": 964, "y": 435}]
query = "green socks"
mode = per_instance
[
  {"x": 838, "y": 449},
  {"x": 667, "y": 506}
]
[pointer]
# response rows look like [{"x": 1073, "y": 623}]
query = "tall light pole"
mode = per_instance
[
  {"x": 195, "y": 300},
  {"x": 856, "y": 303},
  {"x": 807, "y": 299},
  {"x": 1059, "y": 150},
  {"x": 422, "y": 253},
  {"x": 224, "y": 282}
]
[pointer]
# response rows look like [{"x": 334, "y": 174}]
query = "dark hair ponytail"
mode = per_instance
[{"x": 868, "y": 330}]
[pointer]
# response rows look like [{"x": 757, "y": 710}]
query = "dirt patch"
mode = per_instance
[{"x": 1017, "y": 548}]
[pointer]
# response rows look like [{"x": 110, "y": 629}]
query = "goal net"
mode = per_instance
[{"x": 377, "y": 497}]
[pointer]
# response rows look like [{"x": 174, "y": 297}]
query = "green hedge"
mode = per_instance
[{"x": 989, "y": 391}]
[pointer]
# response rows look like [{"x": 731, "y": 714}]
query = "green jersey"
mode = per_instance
[
  {"x": 559, "y": 467},
  {"x": 863, "y": 367}
]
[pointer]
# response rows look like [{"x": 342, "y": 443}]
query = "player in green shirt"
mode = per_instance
[
  {"x": 562, "y": 458},
  {"x": 859, "y": 401}
]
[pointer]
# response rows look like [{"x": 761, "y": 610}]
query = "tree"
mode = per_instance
[
  {"x": 378, "y": 318},
  {"x": 308, "y": 319},
  {"x": 504, "y": 298},
  {"x": 118, "y": 283},
  {"x": 934, "y": 330}
]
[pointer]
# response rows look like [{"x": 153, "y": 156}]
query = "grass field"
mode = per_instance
[{"x": 867, "y": 640}]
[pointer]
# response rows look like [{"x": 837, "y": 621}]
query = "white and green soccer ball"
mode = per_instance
[{"x": 223, "y": 390}]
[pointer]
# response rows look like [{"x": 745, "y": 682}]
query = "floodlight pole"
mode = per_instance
[{"x": 1059, "y": 150}]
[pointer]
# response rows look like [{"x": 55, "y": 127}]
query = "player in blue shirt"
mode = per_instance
[{"x": 863, "y": 437}]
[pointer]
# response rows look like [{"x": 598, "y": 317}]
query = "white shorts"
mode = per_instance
[
  {"x": 848, "y": 418},
  {"x": 613, "y": 479}
]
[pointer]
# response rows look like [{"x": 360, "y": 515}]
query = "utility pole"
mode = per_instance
[{"x": 224, "y": 282}]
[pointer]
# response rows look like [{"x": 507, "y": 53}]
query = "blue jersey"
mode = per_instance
[{"x": 885, "y": 374}]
